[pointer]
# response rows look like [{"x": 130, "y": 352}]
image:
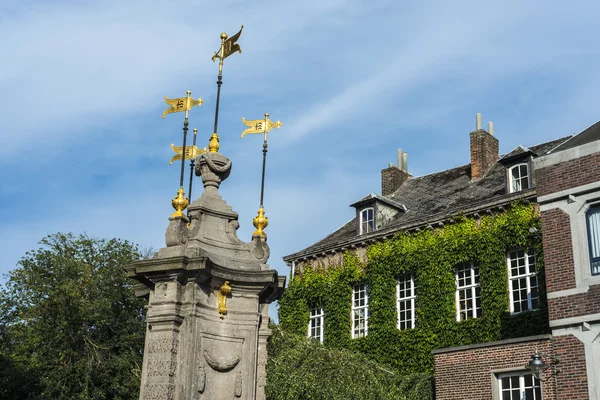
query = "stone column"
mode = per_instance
[{"x": 207, "y": 293}]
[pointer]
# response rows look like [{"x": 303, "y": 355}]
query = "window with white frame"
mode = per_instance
[
  {"x": 468, "y": 292},
  {"x": 519, "y": 386},
  {"x": 405, "y": 297},
  {"x": 367, "y": 220},
  {"x": 593, "y": 228},
  {"x": 360, "y": 310},
  {"x": 522, "y": 280},
  {"x": 519, "y": 177},
  {"x": 316, "y": 323}
]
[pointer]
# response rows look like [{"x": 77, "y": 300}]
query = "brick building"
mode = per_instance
[{"x": 563, "y": 177}]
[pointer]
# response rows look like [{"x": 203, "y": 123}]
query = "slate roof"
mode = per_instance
[
  {"x": 587, "y": 136},
  {"x": 385, "y": 200},
  {"x": 436, "y": 197}
]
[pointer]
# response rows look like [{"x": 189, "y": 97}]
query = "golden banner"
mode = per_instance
[
  {"x": 191, "y": 152},
  {"x": 181, "y": 104},
  {"x": 260, "y": 126}
]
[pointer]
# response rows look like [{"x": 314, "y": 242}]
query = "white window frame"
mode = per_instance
[
  {"x": 406, "y": 296},
  {"x": 365, "y": 212},
  {"x": 515, "y": 184},
  {"x": 530, "y": 272},
  {"x": 593, "y": 238},
  {"x": 471, "y": 289},
  {"x": 360, "y": 292},
  {"x": 317, "y": 322},
  {"x": 536, "y": 383}
]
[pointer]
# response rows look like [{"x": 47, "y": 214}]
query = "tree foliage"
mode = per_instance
[
  {"x": 302, "y": 369},
  {"x": 71, "y": 327}
]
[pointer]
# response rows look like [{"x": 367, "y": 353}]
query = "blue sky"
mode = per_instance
[{"x": 83, "y": 147}]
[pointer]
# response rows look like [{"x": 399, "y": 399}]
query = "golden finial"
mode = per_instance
[
  {"x": 179, "y": 203},
  {"x": 224, "y": 290},
  {"x": 213, "y": 144},
  {"x": 260, "y": 222}
]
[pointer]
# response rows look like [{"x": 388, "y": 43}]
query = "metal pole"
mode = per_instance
[{"x": 192, "y": 162}]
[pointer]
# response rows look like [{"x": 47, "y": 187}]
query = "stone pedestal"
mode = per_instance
[{"x": 207, "y": 302}]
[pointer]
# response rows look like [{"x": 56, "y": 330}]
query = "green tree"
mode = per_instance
[
  {"x": 302, "y": 369},
  {"x": 70, "y": 325}
]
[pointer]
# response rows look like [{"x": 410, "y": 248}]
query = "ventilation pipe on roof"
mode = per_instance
[{"x": 402, "y": 160}]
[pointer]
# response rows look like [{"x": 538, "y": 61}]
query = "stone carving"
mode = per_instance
[
  {"x": 238, "y": 384},
  {"x": 214, "y": 169},
  {"x": 231, "y": 231},
  {"x": 221, "y": 364},
  {"x": 161, "y": 368},
  {"x": 260, "y": 251},
  {"x": 201, "y": 379},
  {"x": 163, "y": 345},
  {"x": 159, "y": 391},
  {"x": 177, "y": 233}
]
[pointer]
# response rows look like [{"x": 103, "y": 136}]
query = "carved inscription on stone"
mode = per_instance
[{"x": 159, "y": 391}]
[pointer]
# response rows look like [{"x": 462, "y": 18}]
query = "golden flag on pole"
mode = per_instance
[
  {"x": 181, "y": 104},
  {"x": 229, "y": 46},
  {"x": 191, "y": 152},
  {"x": 260, "y": 126}
]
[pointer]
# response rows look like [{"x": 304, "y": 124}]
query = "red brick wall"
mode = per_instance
[
  {"x": 572, "y": 378},
  {"x": 391, "y": 179},
  {"x": 484, "y": 153},
  {"x": 558, "y": 250},
  {"x": 467, "y": 374},
  {"x": 575, "y": 305},
  {"x": 568, "y": 174}
]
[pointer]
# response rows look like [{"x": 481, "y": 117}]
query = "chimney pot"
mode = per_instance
[
  {"x": 491, "y": 128},
  {"x": 400, "y": 158},
  {"x": 478, "y": 121}
]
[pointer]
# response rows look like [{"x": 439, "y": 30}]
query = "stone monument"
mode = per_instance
[{"x": 207, "y": 294}]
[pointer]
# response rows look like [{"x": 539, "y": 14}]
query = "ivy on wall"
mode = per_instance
[{"x": 431, "y": 255}]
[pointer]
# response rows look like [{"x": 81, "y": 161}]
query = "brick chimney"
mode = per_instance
[
  {"x": 484, "y": 149},
  {"x": 393, "y": 177}
]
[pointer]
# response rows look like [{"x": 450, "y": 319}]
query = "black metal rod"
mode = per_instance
[
  {"x": 219, "y": 83},
  {"x": 185, "y": 129},
  {"x": 262, "y": 184},
  {"x": 192, "y": 162}
]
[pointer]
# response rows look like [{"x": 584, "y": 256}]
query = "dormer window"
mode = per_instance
[
  {"x": 519, "y": 177},
  {"x": 367, "y": 220}
]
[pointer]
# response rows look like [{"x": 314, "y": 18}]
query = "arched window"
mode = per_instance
[
  {"x": 519, "y": 177},
  {"x": 367, "y": 220}
]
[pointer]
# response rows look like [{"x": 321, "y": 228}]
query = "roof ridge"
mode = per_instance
[
  {"x": 438, "y": 172},
  {"x": 562, "y": 140}
]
